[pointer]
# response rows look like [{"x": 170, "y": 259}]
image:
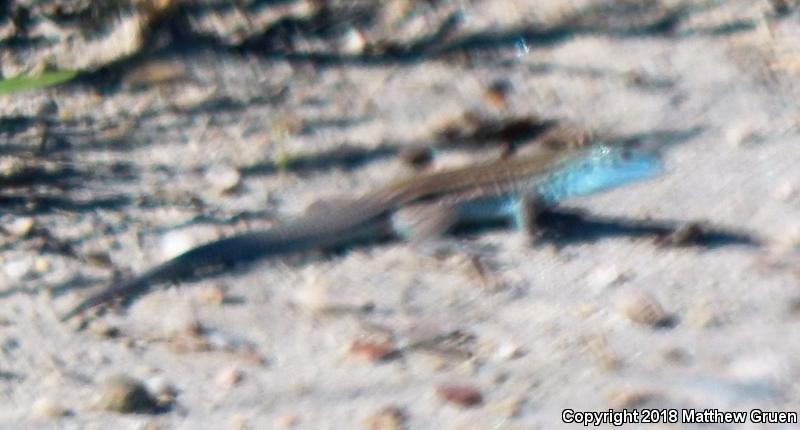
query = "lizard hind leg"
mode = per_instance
[
  {"x": 526, "y": 216},
  {"x": 424, "y": 221},
  {"x": 424, "y": 226}
]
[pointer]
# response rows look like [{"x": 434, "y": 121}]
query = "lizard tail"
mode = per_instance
[{"x": 224, "y": 252}]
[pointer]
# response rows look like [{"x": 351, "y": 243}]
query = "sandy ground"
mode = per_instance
[{"x": 137, "y": 173}]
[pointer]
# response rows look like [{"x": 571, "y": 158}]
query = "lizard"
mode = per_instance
[{"x": 430, "y": 204}]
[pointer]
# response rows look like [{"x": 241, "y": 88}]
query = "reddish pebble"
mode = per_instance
[
  {"x": 462, "y": 395},
  {"x": 372, "y": 350}
]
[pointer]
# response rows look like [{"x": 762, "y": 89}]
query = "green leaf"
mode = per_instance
[{"x": 25, "y": 83}]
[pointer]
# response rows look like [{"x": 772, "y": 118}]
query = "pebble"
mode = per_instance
[
  {"x": 509, "y": 351},
  {"x": 741, "y": 133},
  {"x": 585, "y": 310},
  {"x": 41, "y": 265},
  {"x": 497, "y": 93},
  {"x": 760, "y": 368},
  {"x": 213, "y": 295},
  {"x": 10, "y": 166},
  {"x": 630, "y": 398},
  {"x": 20, "y": 227},
  {"x": 509, "y": 407},
  {"x": 223, "y": 178},
  {"x": 228, "y": 377},
  {"x": 677, "y": 356},
  {"x": 643, "y": 308},
  {"x": 124, "y": 394},
  {"x": 606, "y": 276},
  {"x": 317, "y": 297},
  {"x": 286, "y": 421},
  {"x": 46, "y": 408},
  {"x": 704, "y": 317},
  {"x": 460, "y": 394},
  {"x": 191, "y": 337},
  {"x": 17, "y": 269},
  {"x": 372, "y": 350},
  {"x": 103, "y": 329},
  {"x": 387, "y": 418},
  {"x": 163, "y": 391},
  {"x": 353, "y": 42},
  {"x": 313, "y": 295},
  {"x": 177, "y": 242},
  {"x": 237, "y": 422},
  {"x": 602, "y": 353}
]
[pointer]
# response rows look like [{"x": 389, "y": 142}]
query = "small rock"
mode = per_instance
[
  {"x": 17, "y": 269},
  {"x": 677, "y": 356},
  {"x": 602, "y": 353},
  {"x": 497, "y": 93},
  {"x": 41, "y": 265},
  {"x": 388, "y": 418},
  {"x": 509, "y": 351},
  {"x": 20, "y": 227},
  {"x": 286, "y": 421},
  {"x": 10, "y": 166},
  {"x": 223, "y": 179},
  {"x": 460, "y": 394},
  {"x": 46, "y": 408},
  {"x": 509, "y": 407},
  {"x": 760, "y": 368},
  {"x": 103, "y": 329},
  {"x": 228, "y": 378},
  {"x": 238, "y": 422},
  {"x": 643, "y": 308},
  {"x": 741, "y": 133},
  {"x": 318, "y": 297},
  {"x": 630, "y": 398},
  {"x": 353, "y": 42},
  {"x": 372, "y": 350},
  {"x": 124, "y": 394},
  {"x": 192, "y": 337},
  {"x": 604, "y": 277},
  {"x": 213, "y": 295},
  {"x": 704, "y": 317},
  {"x": 585, "y": 310},
  {"x": 163, "y": 391},
  {"x": 177, "y": 242}
]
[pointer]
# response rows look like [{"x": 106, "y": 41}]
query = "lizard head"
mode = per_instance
[{"x": 599, "y": 168}]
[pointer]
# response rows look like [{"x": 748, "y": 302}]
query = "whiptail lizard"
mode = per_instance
[{"x": 430, "y": 204}]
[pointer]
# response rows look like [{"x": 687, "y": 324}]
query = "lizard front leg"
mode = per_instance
[{"x": 526, "y": 216}]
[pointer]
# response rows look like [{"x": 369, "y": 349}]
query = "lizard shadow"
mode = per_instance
[
  {"x": 565, "y": 226},
  {"x": 561, "y": 226}
]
